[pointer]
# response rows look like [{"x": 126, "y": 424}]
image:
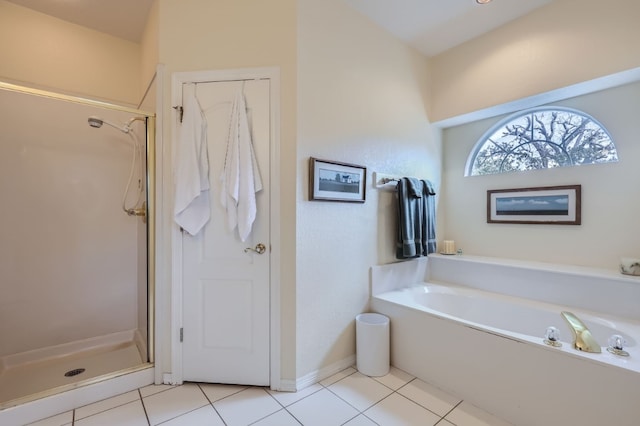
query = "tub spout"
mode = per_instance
[{"x": 582, "y": 338}]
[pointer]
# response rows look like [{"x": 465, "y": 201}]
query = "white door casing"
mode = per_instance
[{"x": 226, "y": 299}]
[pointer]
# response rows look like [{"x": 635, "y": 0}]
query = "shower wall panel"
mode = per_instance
[{"x": 69, "y": 257}]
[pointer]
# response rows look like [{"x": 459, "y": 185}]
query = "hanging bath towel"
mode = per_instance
[
  {"x": 240, "y": 177},
  {"x": 192, "y": 206},
  {"x": 416, "y": 218}
]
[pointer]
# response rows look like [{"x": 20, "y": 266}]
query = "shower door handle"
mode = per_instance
[{"x": 259, "y": 249}]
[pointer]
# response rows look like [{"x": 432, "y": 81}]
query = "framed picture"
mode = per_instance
[
  {"x": 334, "y": 181},
  {"x": 555, "y": 205}
]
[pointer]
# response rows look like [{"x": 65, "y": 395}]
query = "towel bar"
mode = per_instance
[{"x": 385, "y": 181}]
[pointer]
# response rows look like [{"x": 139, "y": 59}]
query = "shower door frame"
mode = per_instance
[{"x": 150, "y": 216}]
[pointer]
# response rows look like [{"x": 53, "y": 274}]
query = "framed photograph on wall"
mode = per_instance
[
  {"x": 335, "y": 181},
  {"x": 555, "y": 205}
]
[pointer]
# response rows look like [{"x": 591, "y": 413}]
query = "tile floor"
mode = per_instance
[{"x": 347, "y": 398}]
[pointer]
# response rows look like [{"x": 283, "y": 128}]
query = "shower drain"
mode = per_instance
[{"x": 75, "y": 372}]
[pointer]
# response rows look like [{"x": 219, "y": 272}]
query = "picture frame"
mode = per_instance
[
  {"x": 336, "y": 181},
  {"x": 550, "y": 205}
]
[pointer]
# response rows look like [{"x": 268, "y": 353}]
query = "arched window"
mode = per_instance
[{"x": 541, "y": 138}]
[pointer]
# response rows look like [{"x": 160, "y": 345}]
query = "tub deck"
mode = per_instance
[
  {"x": 520, "y": 319},
  {"x": 495, "y": 358}
]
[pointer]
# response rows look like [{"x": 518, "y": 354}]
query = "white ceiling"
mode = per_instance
[{"x": 431, "y": 26}]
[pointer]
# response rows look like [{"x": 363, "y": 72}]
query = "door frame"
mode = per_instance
[{"x": 212, "y": 76}]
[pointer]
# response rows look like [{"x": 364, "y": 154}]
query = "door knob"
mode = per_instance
[{"x": 259, "y": 249}]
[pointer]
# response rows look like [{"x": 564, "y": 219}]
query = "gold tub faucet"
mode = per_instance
[{"x": 582, "y": 338}]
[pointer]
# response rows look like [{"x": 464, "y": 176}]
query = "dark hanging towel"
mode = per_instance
[{"x": 416, "y": 218}]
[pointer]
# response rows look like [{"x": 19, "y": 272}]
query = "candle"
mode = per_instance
[{"x": 449, "y": 247}]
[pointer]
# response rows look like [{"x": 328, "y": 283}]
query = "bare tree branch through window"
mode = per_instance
[{"x": 542, "y": 138}]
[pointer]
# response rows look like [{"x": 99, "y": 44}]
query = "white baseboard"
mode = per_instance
[
  {"x": 285, "y": 386},
  {"x": 167, "y": 379},
  {"x": 325, "y": 372}
]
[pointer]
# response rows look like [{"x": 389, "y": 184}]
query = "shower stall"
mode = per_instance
[{"x": 76, "y": 242}]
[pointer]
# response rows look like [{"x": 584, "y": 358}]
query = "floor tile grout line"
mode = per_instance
[
  {"x": 373, "y": 378},
  {"x": 356, "y": 408},
  {"x": 305, "y": 397},
  {"x": 272, "y": 396},
  {"x": 285, "y": 407},
  {"x": 427, "y": 408},
  {"x": 183, "y": 414},
  {"x": 339, "y": 380},
  {"x": 105, "y": 410},
  {"x": 144, "y": 408},
  {"x": 403, "y": 385},
  {"x": 244, "y": 388},
  {"x": 298, "y": 400},
  {"x": 333, "y": 393},
  {"x": 370, "y": 419},
  {"x": 211, "y": 403},
  {"x": 392, "y": 392},
  {"x": 407, "y": 384},
  {"x": 449, "y": 412},
  {"x": 293, "y": 415},
  {"x": 348, "y": 420},
  {"x": 420, "y": 405},
  {"x": 159, "y": 392},
  {"x": 363, "y": 412},
  {"x": 270, "y": 414},
  {"x": 386, "y": 386}
]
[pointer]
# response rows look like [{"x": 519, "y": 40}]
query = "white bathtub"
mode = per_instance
[{"x": 487, "y": 347}]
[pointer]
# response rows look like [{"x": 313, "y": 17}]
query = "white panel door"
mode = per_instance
[{"x": 225, "y": 287}]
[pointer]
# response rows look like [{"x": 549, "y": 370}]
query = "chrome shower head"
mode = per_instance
[{"x": 97, "y": 122}]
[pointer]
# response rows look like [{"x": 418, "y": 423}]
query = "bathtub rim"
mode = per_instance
[
  {"x": 558, "y": 268},
  {"x": 584, "y": 288},
  {"x": 519, "y": 394},
  {"x": 631, "y": 364}
]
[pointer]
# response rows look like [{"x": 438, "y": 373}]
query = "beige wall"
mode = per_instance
[
  {"x": 610, "y": 206},
  {"x": 231, "y": 34},
  {"x": 149, "y": 49},
  {"x": 563, "y": 43},
  {"x": 361, "y": 99},
  {"x": 45, "y": 52}
]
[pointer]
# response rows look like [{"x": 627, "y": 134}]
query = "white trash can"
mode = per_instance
[{"x": 372, "y": 344}]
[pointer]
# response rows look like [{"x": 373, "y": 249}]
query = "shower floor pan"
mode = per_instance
[{"x": 24, "y": 381}]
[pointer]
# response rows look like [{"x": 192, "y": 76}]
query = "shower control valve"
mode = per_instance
[
  {"x": 552, "y": 337},
  {"x": 616, "y": 345}
]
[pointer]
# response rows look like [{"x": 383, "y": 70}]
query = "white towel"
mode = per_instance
[
  {"x": 241, "y": 176},
  {"x": 192, "y": 206}
]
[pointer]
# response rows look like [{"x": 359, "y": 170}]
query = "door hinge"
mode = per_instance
[
  {"x": 181, "y": 334},
  {"x": 180, "y": 110}
]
